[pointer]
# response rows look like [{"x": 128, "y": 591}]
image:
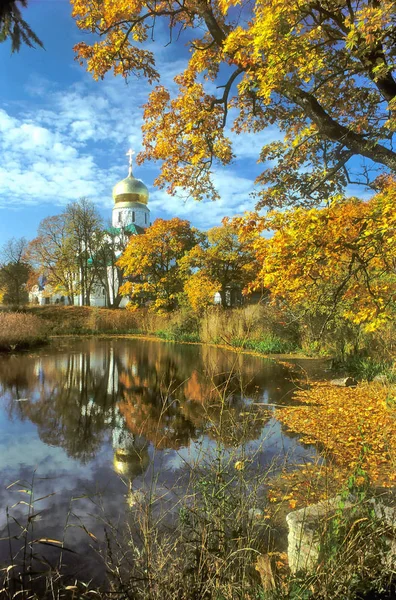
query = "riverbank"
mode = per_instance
[{"x": 256, "y": 329}]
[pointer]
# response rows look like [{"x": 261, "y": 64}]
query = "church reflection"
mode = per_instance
[{"x": 135, "y": 395}]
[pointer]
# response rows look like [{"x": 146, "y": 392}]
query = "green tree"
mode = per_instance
[
  {"x": 14, "y": 272},
  {"x": 13, "y": 26}
]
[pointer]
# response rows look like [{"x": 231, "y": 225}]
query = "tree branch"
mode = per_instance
[{"x": 336, "y": 132}]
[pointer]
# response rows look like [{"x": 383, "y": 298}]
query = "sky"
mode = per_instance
[{"x": 64, "y": 136}]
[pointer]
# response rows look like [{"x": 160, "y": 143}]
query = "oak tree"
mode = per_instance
[
  {"x": 85, "y": 230},
  {"x": 53, "y": 256},
  {"x": 321, "y": 70}
]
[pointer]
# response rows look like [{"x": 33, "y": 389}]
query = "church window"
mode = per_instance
[
  {"x": 145, "y": 218},
  {"x": 133, "y": 216},
  {"x": 119, "y": 217}
]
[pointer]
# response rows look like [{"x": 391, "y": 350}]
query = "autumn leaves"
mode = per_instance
[{"x": 344, "y": 421}]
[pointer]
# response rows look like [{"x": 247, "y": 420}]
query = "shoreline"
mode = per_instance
[{"x": 154, "y": 338}]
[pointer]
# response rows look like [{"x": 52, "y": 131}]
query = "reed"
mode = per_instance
[{"x": 20, "y": 331}]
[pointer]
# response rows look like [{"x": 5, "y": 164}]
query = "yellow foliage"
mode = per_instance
[
  {"x": 351, "y": 424},
  {"x": 200, "y": 291},
  {"x": 321, "y": 70},
  {"x": 338, "y": 260},
  {"x": 151, "y": 263}
]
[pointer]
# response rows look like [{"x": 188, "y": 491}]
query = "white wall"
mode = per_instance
[{"x": 124, "y": 216}]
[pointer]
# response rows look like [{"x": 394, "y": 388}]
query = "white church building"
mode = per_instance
[{"x": 130, "y": 216}]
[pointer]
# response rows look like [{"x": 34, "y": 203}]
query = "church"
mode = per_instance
[{"x": 130, "y": 216}]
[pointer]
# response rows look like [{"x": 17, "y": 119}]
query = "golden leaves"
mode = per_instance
[
  {"x": 352, "y": 424},
  {"x": 278, "y": 50},
  {"x": 337, "y": 260}
]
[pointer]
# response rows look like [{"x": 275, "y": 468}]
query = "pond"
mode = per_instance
[{"x": 90, "y": 424}]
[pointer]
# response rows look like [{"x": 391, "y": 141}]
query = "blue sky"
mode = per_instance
[{"x": 64, "y": 136}]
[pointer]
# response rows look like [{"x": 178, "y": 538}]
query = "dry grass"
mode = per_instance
[
  {"x": 88, "y": 319},
  {"x": 254, "y": 322},
  {"x": 20, "y": 330}
]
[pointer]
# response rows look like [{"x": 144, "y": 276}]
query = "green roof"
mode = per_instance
[{"x": 132, "y": 229}]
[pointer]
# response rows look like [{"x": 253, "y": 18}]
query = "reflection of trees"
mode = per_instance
[
  {"x": 166, "y": 394},
  {"x": 68, "y": 399},
  {"x": 15, "y": 380},
  {"x": 168, "y": 401}
]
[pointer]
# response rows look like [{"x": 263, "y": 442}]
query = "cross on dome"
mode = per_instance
[{"x": 130, "y": 153}]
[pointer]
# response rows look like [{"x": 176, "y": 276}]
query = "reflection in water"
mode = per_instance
[
  {"x": 167, "y": 394},
  {"x": 82, "y": 414}
]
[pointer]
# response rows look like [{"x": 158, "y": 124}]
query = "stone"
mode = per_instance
[
  {"x": 381, "y": 379},
  {"x": 255, "y": 513},
  {"x": 307, "y": 526},
  {"x": 344, "y": 382}
]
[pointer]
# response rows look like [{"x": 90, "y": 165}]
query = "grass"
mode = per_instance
[
  {"x": 271, "y": 344},
  {"x": 20, "y": 331},
  {"x": 178, "y": 336},
  {"x": 368, "y": 368}
]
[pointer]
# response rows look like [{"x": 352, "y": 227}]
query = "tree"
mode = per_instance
[
  {"x": 223, "y": 263},
  {"x": 337, "y": 261},
  {"x": 14, "y": 272},
  {"x": 13, "y": 26},
  {"x": 151, "y": 262},
  {"x": 85, "y": 229},
  {"x": 53, "y": 255},
  {"x": 322, "y": 70}
]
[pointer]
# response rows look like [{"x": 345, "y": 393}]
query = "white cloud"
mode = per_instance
[
  {"x": 235, "y": 199},
  {"x": 72, "y": 143}
]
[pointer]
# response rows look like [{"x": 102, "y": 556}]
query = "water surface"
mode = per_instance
[{"x": 93, "y": 422}]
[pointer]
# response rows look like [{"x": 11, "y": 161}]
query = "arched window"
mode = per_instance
[
  {"x": 145, "y": 218},
  {"x": 133, "y": 216},
  {"x": 119, "y": 217}
]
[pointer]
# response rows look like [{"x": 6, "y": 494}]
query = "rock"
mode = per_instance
[
  {"x": 381, "y": 379},
  {"x": 305, "y": 531},
  {"x": 307, "y": 526},
  {"x": 344, "y": 382}
]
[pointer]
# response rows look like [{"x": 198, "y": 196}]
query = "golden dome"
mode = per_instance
[
  {"x": 130, "y": 190},
  {"x": 130, "y": 463}
]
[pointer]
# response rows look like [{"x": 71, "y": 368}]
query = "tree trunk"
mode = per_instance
[{"x": 223, "y": 296}]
